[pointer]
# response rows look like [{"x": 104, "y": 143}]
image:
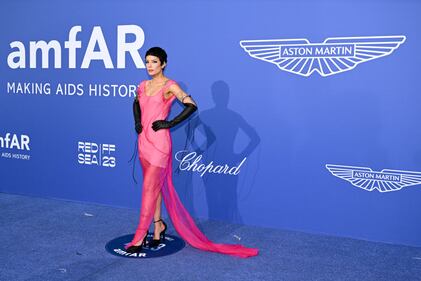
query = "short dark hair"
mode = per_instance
[{"x": 157, "y": 52}]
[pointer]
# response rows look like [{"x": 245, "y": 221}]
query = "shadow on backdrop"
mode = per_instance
[{"x": 220, "y": 126}]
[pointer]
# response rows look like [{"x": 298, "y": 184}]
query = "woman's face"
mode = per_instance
[{"x": 153, "y": 65}]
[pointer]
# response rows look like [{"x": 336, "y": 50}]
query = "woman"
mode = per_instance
[{"x": 151, "y": 108}]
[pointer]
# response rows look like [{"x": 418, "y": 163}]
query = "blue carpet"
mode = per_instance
[{"x": 45, "y": 239}]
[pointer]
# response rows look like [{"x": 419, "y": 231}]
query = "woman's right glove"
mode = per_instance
[{"x": 137, "y": 114}]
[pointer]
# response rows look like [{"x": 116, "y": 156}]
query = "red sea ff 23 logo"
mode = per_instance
[{"x": 98, "y": 154}]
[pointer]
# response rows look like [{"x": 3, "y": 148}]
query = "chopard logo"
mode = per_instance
[
  {"x": 369, "y": 180},
  {"x": 334, "y": 55},
  {"x": 191, "y": 162}
]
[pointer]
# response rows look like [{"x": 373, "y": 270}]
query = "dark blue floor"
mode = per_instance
[{"x": 44, "y": 239}]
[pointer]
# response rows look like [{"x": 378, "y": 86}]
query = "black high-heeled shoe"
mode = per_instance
[
  {"x": 155, "y": 242},
  {"x": 137, "y": 249}
]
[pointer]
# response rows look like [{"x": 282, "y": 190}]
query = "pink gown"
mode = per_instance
[{"x": 155, "y": 154}]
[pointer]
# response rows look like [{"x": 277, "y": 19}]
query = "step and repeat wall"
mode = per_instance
[{"x": 308, "y": 110}]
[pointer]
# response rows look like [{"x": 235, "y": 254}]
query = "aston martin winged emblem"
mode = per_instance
[
  {"x": 334, "y": 55},
  {"x": 367, "y": 179}
]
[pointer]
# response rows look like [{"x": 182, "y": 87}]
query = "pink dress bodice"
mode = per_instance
[{"x": 155, "y": 147}]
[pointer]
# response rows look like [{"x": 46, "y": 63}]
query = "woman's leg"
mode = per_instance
[
  {"x": 158, "y": 226},
  {"x": 152, "y": 181},
  {"x": 157, "y": 214}
]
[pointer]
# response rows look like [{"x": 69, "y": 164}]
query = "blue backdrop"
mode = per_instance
[{"x": 306, "y": 151}]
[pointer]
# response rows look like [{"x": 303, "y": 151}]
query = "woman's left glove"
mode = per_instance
[{"x": 189, "y": 108}]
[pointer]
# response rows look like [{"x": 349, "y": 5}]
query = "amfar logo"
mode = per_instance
[
  {"x": 170, "y": 245},
  {"x": 14, "y": 141},
  {"x": 334, "y": 55},
  {"x": 18, "y": 58},
  {"x": 369, "y": 180}
]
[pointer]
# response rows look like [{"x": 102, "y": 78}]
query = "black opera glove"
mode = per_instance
[
  {"x": 189, "y": 108},
  {"x": 161, "y": 124},
  {"x": 137, "y": 116}
]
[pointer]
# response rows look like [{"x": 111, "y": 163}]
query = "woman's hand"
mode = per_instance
[
  {"x": 161, "y": 124},
  {"x": 138, "y": 127}
]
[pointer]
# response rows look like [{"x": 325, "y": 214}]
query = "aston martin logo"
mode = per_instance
[
  {"x": 367, "y": 179},
  {"x": 334, "y": 55}
]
